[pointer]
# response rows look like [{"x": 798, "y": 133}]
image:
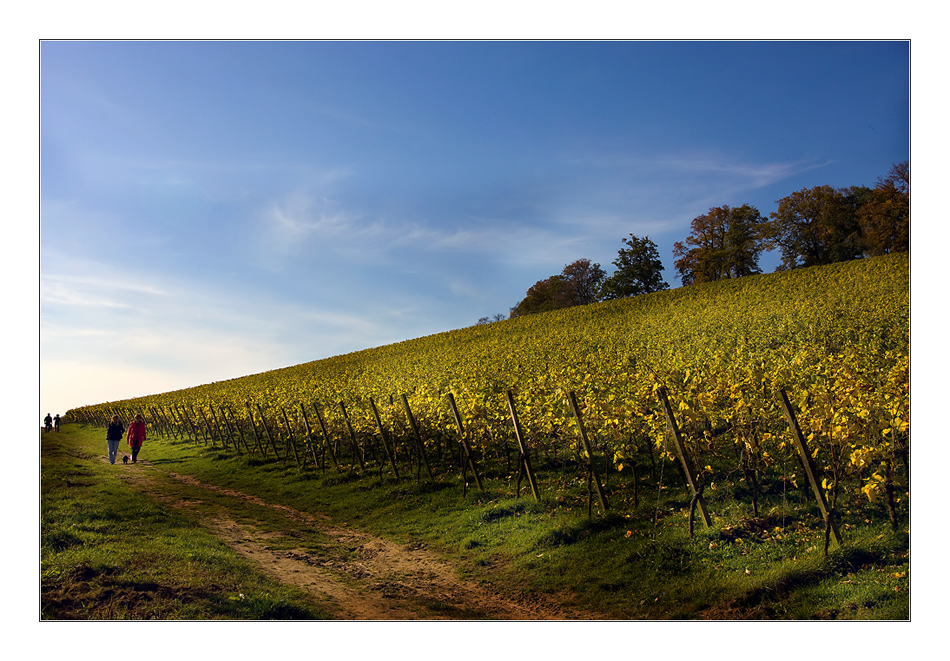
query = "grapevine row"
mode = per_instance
[{"x": 835, "y": 338}]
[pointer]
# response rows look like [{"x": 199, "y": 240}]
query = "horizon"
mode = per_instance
[{"x": 231, "y": 208}]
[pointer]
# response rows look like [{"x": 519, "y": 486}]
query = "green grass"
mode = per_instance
[
  {"x": 708, "y": 343},
  {"x": 109, "y": 552},
  {"x": 632, "y": 563}
]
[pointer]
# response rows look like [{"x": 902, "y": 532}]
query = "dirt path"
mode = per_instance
[{"x": 355, "y": 575}]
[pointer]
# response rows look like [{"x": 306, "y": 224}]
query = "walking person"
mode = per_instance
[
  {"x": 113, "y": 437},
  {"x": 56, "y": 422},
  {"x": 48, "y": 422},
  {"x": 136, "y": 436}
]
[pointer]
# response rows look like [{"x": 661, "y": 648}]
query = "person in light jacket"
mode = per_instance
[
  {"x": 113, "y": 437},
  {"x": 136, "y": 436}
]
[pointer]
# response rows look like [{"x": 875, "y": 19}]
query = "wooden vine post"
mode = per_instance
[
  {"x": 257, "y": 436},
  {"x": 161, "y": 421},
  {"x": 290, "y": 437},
  {"x": 572, "y": 398},
  {"x": 326, "y": 436},
  {"x": 227, "y": 427},
  {"x": 183, "y": 414},
  {"x": 199, "y": 427},
  {"x": 524, "y": 460},
  {"x": 170, "y": 422},
  {"x": 190, "y": 425},
  {"x": 180, "y": 421},
  {"x": 180, "y": 424},
  {"x": 685, "y": 461},
  {"x": 469, "y": 459},
  {"x": 356, "y": 445},
  {"x": 237, "y": 426},
  {"x": 159, "y": 416},
  {"x": 232, "y": 437},
  {"x": 270, "y": 436},
  {"x": 177, "y": 422},
  {"x": 167, "y": 423},
  {"x": 382, "y": 434},
  {"x": 234, "y": 431},
  {"x": 313, "y": 451},
  {"x": 809, "y": 465},
  {"x": 217, "y": 426},
  {"x": 415, "y": 432},
  {"x": 149, "y": 416},
  {"x": 157, "y": 422}
]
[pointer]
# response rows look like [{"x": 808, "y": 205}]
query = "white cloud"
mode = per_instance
[
  {"x": 115, "y": 291},
  {"x": 319, "y": 228},
  {"x": 728, "y": 176},
  {"x": 301, "y": 225},
  {"x": 300, "y": 215}
]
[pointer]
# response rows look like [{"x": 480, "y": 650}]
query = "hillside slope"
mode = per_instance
[{"x": 836, "y": 338}]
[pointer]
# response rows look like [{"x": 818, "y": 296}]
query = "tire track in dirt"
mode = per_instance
[
  {"x": 303, "y": 570},
  {"x": 378, "y": 580}
]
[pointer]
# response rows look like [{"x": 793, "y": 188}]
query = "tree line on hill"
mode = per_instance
[{"x": 812, "y": 226}]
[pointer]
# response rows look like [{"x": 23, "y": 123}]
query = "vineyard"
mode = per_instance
[{"x": 788, "y": 382}]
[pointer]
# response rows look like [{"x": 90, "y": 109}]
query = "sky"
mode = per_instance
[{"x": 215, "y": 209}]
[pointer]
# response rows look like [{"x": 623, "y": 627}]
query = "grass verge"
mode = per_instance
[
  {"x": 109, "y": 552},
  {"x": 635, "y": 562}
]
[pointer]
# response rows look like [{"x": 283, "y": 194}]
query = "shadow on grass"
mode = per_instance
[
  {"x": 87, "y": 592},
  {"x": 166, "y": 461},
  {"x": 579, "y": 531}
]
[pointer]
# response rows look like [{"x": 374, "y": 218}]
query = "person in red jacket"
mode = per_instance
[{"x": 136, "y": 436}]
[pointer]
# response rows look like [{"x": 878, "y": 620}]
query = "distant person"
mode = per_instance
[
  {"x": 136, "y": 436},
  {"x": 48, "y": 422},
  {"x": 56, "y": 422},
  {"x": 113, "y": 437}
]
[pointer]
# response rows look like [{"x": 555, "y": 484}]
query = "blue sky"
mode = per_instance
[{"x": 214, "y": 209}]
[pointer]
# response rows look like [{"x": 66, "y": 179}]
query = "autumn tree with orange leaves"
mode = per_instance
[
  {"x": 724, "y": 243},
  {"x": 578, "y": 284},
  {"x": 885, "y": 217}
]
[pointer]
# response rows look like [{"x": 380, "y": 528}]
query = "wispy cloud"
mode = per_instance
[
  {"x": 300, "y": 221},
  {"x": 64, "y": 288},
  {"x": 697, "y": 166},
  {"x": 300, "y": 217},
  {"x": 744, "y": 175}
]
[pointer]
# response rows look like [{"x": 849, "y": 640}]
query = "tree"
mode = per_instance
[
  {"x": 543, "y": 296},
  {"x": 482, "y": 321},
  {"x": 884, "y": 217},
  {"x": 897, "y": 179},
  {"x": 639, "y": 270},
  {"x": 724, "y": 243},
  {"x": 583, "y": 280},
  {"x": 578, "y": 284},
  {"x": 816, "y": 226}
]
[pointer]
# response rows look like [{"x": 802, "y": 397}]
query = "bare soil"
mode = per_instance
[{"x": 353, "y": 574}]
